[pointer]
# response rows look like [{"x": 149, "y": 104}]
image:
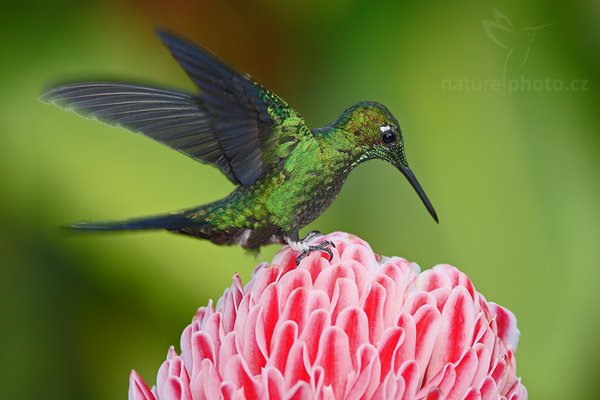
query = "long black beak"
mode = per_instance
[{"x": 415, "y": 184}]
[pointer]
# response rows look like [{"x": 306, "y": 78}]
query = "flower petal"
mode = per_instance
[
  {"x": 138, "y": 390},
  {"x": 507, "y": 325},
  {"x": 458, "y": 320},
  {"x": 334, "y": 357}
]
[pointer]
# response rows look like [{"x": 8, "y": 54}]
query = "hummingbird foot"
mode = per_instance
[
  {"x": 302, "y": 244},
  {"x": 324, "y": 246}
]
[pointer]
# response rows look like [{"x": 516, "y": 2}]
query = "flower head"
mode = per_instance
[{"x": 359, "y": 327}]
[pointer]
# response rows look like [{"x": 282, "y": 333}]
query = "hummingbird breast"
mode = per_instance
[
  {"x": 320, "y": 200},
  {"x": 312, "y": 180}
]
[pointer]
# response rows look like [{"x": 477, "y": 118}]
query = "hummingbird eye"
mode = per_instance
[{"x": 387, "y": 134}]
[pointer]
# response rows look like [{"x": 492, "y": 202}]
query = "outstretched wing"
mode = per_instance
[
  {"x": 177, "y": 120},
  {"x": 234, "y": 124}
]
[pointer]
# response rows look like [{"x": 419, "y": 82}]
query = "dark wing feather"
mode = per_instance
[
  {"x": 175, "y": 119},
  {"x": 234, "y": 124},
  {"x": 243, "y": 113}
]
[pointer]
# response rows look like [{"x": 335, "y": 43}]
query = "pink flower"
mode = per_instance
[{"x": 359, "y": 327}]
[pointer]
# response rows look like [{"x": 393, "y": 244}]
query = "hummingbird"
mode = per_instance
[{"x": 285, "y": 173}]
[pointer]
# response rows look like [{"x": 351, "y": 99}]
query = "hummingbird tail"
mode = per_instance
[{"x": 168, "y": 221}]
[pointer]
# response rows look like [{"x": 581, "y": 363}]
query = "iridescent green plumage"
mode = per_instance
[{"x": 286, "y": 174}]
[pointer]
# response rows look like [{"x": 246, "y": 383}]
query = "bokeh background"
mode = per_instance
[{"x": 515, "y": 177}]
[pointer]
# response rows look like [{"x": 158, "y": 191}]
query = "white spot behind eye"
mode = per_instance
[{"x": 385, "y": 128}]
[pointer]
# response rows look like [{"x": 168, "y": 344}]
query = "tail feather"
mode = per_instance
[{"x": 168, "y": 221}]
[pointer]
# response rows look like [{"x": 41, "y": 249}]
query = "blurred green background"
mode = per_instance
[{"x": 514, "y": 176}]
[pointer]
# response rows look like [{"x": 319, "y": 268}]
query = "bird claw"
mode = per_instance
[{"x": 325, "y": 246}]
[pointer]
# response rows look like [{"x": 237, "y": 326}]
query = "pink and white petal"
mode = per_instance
[
  {"x": 428, "y": 321},
  {"x": 390, "y": 308},
  {"x": 228, "y": 308},
  {"x": 441, "y": 296},
  {"x": 354, "y": 322},
  {"x": 228, "y": 391},
  {"x": 390, "y": 341},
  {"x": 300, "y": 391},
  {"x": 472, "y": 394},
  {"x": 214, "y": 329},
  {"x": 367, "y": 380},
  {"x": 315, "y": 267},
  {"x": 406, "y": 351},
  {"x": 489, "y": 389},
  {"x": 272, "y": 381},
  {"x": 206, "y": 384},
  {"x": 517, "y": 392},
  {"x": 510, "y": 373},
  {"x": 260, "y": 334},
  {"x": 345, "y": 295},
  {"x": 483, "y": 363},
  {"x": 318, "y": 300},
  {"x": 400, "y": 387},
  {"x": 433, "y": 279},
  {"x": 499, "y": 374},
  {"x": 173, "y": 381},
  {"x": 296, "y": 368},
  {"x": 334, "y": 357},
  {"x": 360, "y": 253},
  {"x": 458, "y": 320},
  {"x": 318, "y": 321},
  {"x": 362, "y": 277},
  {"x": 373, "y": 307},
  {"x": 202, "y": 348},
  {"x": 172, "y": 389},
  {"x": 185, "y": 342},
  {"x": 466, "y": 368},
  {"x": 317, "y": 380},
  {"x": 242, "y": 314},
  {"x": 269, "y": 302},
  {"x": 507, "y": 325},
  {"x": 409, "y": 371},
  {"x": 293, "y": 280},
  {"x": 400, "y": 271},
  {"x": 138, "y": 390},
  {"x": 251, "y": 351},
  {"x": 448, "y": 380},
  {"x": 457, "y": 278},
  {"x": 296, "y": 307},
  {"x": 285, "y": 336},
  {"x": 418, "y": 299},
  {"x": 327, "y": 279},
  {"x": 228, "y": 349},
  {"x": 435, "y": 394},
  {"x": 284, "y": 260},
  {"x": 263, "y": 276},
  {"x": 236, "y": 371},
  {"x": 387, "y": 388},
  {"x": 445, "y": 377}
]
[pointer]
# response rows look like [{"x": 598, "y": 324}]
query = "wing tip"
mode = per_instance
[
  {"x": 168, "y": 36},
  {"x": 55, "y": 93},
  {"x": 48, "y": 96}
]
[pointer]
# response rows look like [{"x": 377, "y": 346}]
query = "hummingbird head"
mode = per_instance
[{"x": 376, "y": 134}]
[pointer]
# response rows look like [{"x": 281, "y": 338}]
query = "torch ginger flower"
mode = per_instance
[{"x": 359, "y": 327}]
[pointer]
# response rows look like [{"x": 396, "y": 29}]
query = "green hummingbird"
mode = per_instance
[{"x": 285, "y": 174}]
